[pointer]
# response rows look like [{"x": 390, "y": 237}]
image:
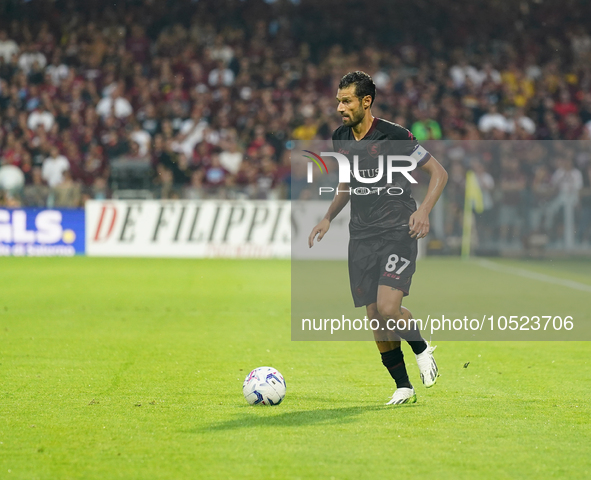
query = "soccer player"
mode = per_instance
[{"x": 384, "y": 227}]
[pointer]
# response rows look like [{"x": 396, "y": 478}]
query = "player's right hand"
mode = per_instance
[{"x": 319, "y": 230}]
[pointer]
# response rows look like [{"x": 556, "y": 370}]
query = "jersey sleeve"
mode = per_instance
[
  {"x": 421, "y": 155},
  {"x": 411, "y": 146}
]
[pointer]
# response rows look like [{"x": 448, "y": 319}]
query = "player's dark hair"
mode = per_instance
[{"x": 363, "y": 84}]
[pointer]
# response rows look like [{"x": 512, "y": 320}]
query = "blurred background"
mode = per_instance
[{"x": 201, "y": 101}]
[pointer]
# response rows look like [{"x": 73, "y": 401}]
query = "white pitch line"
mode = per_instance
[{"x": 534, "y": 276}]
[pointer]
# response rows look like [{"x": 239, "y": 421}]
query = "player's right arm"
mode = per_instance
[{"x": 339, "y": 201}]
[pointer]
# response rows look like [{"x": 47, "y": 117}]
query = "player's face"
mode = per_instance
[{"x": 350, "y": 106}]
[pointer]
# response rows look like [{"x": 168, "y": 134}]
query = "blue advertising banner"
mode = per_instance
[{"x": 37, "y": 232}]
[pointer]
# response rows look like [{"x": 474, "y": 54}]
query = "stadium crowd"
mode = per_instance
[{"x": 205, "y": 96}]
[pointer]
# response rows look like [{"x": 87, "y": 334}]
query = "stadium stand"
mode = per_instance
[{"x": 183, "y": 99}]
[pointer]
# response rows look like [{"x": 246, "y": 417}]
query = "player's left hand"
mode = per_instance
[{"x": 419, "y": 224}]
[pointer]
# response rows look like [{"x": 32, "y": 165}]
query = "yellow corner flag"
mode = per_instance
[{"x": 472, "y": 201}]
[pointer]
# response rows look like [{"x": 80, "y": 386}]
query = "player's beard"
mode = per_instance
[{"x": 354, "y": 118}]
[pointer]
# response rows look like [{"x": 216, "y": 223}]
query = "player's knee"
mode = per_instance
[
  {"x": 387, "y": 310},
  {"x": 372, "y": 311},
  {"x": 406, "y": 312}
]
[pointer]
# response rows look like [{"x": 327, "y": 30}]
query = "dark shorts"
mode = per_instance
[{"x": 390, "y": 260}]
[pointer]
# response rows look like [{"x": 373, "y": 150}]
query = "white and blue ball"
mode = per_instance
[{"x": 264, "y": 386}]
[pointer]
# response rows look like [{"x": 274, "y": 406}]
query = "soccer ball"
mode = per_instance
[{"x": 264, "y": 386}]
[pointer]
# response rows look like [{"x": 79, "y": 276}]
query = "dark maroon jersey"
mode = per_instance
[{"x": 380, "y": 207}]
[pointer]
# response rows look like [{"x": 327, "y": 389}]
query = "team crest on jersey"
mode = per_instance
[{"x": 373, "y": 149}]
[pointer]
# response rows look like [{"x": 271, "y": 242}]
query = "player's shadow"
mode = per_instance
[{"x": 298, "y": 418}]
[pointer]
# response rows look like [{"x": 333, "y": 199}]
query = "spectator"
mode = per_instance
[
  {"x": 142, "y": 138},
  {"x": 566, "y": 181},
  {"x": 91, "y": 168},
  {"x": 221, "y": 76},
  {"x": 36, "y": 193},
  {"x": 231, "y": 157},
  {"x": 493, "y": 120},
  {"x": 202, "y": 155},
  {"x": 215, "y": 174},
  {"x": 138, "y": 44},
  {"x": 57, "y": 70},
  {"x": 307, "y": 131},
  {"x": 488, "y": 74},
  {"x": 572, "y": 129},
  {"x": 115, "y": 145},
  {"x": 195, "y": 189},
  {"x": 30, "y": 56},
  {"x": 513, "y": 184},
  {"x": 114, "y": 104},
  {"x": 487, "y": 185},
  {"x": 100, "y": 190},
  {"x": 541, "y": 193},
  {"x": 8, "y": 47},
  {"x": 267, "y": 178},
  {"x": 520, "y": 120},
  {"x": 54, "y": 167},
  {"x": 67, "y": 193},
  {"x": 8, "y": 200},
  {"x": 462, "y": 71},
  {"x": 165, "y": 182},
  {"x": 457, "y": 181},
  {"x": 40, "y": 116},
  {"x": 221, "y": 51},
  {"x": 192, "y": 132},
  {"x": 425, "y": 128},
  {"x": 149, "y": 121},
  {"x": 565, "y": 106}
]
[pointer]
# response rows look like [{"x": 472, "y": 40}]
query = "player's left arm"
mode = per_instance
[{"x": 419, "y": 220}]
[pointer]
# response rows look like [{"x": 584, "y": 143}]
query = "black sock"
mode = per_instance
[
  {"x": 394, "y": 362},
  {"x": 418, "y": 346},
  {"x": 413, "y": 337}
]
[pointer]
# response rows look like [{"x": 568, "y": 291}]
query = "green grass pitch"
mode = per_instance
[{"x": 133, "y": 369}]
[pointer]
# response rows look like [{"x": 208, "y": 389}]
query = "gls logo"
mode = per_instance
[
  {"x": 48, "y": 228},
  {"x": 345, "y": 167}
]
